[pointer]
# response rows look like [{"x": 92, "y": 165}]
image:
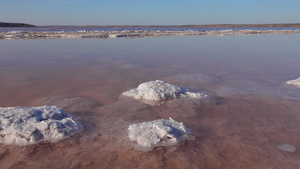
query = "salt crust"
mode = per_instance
[
  {"x": 134, "y": 33},
  {"x": 159, "y": 90},
  {"x": 29, "y": 125},
  {"x": 157, "y": 133},
  {"x": 295, "y": 82}
]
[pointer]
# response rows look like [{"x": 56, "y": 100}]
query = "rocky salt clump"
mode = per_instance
[
  {"x": 157, "y": 133},
  {"x": 295, "y": 82},
  {"x": 160, "y": 91},
  {"x": 29, "y": 125}
]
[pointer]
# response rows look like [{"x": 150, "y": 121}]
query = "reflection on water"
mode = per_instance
[{"x": 249, "y": 114}]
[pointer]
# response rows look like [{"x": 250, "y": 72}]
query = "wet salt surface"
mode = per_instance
[{"x": 250, "y": 112}]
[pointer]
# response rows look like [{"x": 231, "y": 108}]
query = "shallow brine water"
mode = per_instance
[{"x": 250, "y": 119}]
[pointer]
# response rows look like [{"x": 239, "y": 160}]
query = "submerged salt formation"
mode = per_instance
[
  {"x": 29, "y": 125},
  {"x": 287, "y": 147},
  {"x": 157, "y": 133},
  {"x": 159, "y": 91},
  {"x": 295, "y": 82},
  {"x": 77, "y": 104},
  {"x": 196, "y": 78}
]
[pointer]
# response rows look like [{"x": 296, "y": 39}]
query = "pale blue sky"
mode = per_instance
[{"x": 149, "y": 12}]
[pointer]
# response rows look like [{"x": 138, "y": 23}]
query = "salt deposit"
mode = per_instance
[
  {"x": 159, "y": 91},
  {"x": 136, "y": 33},
  {"x": 295, "y": 82},
  {"x": 287, "y": 147},
  {"x": 157, "y": 133},
  {"x": 29, "y": 125}
]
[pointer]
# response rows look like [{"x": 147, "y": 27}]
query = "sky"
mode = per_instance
[{"x": 149, "y": 12}]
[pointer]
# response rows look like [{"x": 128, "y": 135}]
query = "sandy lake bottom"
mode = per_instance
[{"x": 250, "y": 119}]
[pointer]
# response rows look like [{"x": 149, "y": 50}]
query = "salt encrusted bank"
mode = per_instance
[
  {"x": 295, "y": 82},
  {"x": 29, "y": 125},
  {"x": 163, "y": 132},
  {"x": 83, "y": 34},
  {"x": 159, "y": 90}
]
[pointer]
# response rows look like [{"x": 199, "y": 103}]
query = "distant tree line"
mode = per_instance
[{"x": 5, "y": 24}]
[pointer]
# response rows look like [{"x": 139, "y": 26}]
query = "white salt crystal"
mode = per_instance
[
  {"x": 157, "y": 133},
  {"x": 160, "y": 90},
  {"x": 295, "y": 82},
  {"x": 29, "y": 125}
]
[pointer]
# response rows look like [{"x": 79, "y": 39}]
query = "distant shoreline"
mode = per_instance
[
  {"x": 137, "y": 33},
  {"x": 246, "y": 25},
  {"x": 208, "y": 25},
  {"x": 5, "y": 24}
]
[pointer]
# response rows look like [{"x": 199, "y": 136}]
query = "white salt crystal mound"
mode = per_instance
[
  {"x": 157, "y": 133},
  {"x": 159, "y": 90},
  {"x": 30, "y": 125},
  {"x": 295, "y": 82},
  {"x": 287, "y": 147}
]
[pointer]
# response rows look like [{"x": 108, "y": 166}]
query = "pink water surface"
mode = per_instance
[{"x": 250, "y": 110}]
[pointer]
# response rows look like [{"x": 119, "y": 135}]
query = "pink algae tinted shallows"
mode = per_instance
[{"x": 250, "y": 110}]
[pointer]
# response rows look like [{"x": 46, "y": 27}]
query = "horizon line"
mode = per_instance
[{"x": 183, "y": 25}]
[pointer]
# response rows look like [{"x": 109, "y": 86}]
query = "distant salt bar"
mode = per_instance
[
  {"x": 137, "y": 33},
  {"x": 157, "y": 133},
  {"x": 295, "y": 82},
  {"x": 29, "y": 125},
  {"x": 160, "y": 91}
]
